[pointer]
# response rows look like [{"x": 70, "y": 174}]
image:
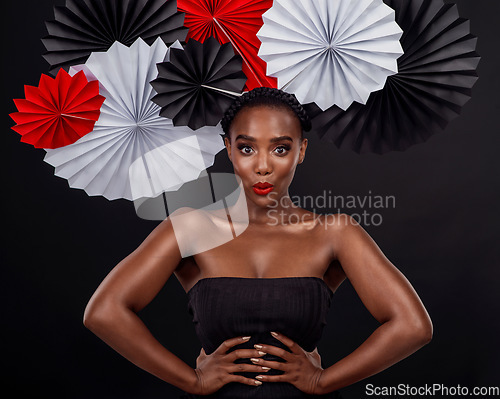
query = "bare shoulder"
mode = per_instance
[
  {"x": 192, "y": 218},
  {"x": 199, "y": 230},
  {"x": 335, "y": 224},
  {"x": 331, "y": 225},
  {"x": 338, "y": 229}
]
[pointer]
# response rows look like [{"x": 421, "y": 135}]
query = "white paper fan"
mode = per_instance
[
  {"x": 330, "y": 52},
  {"x": 133, "y": 152}
]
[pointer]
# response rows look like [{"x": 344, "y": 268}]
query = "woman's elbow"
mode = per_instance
[
  {"x": 98, "y": 314},
  {"x": 422, "y": 331},
  {"x": 91, "y": 316}
]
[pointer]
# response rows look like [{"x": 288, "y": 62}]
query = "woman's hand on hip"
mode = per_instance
[
  {"x": 301, "y": 368},
  {"x": 215, "y": 370}
]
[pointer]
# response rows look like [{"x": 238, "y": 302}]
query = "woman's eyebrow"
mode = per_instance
[
  {"x": 245, "y": 137},
  {"x": 275, "y": 139}
]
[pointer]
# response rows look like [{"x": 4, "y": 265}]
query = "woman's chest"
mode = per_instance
[{"x": 268, "y": 252}]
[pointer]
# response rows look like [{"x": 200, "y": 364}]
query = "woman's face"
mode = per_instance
[{"x": 265, "y": 147}]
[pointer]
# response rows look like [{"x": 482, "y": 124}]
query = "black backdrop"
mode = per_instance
[{"x": 60, "y": 243}]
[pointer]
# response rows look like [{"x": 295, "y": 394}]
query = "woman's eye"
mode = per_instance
[
  {"x": 281, "y": 150},
  {"x": 245, "y": 149}
]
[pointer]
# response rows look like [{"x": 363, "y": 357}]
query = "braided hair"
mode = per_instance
[{"x": 266, "y": 96}]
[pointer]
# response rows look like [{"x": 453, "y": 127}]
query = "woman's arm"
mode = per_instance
[
  {"x": 129, "y": 287},
  {"x": 388, "y": 296}
]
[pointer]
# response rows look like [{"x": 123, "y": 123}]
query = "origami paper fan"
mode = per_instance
[
  {"x": 435, "y": 80},
  {"x": 59, "y": 111},
  {"x": 330, "y": 52},
  {"x": 133, "y": 152},
  {"x": 234, "y": 21},
  {"x": 85, "y": 26},
  {"x": 199, "y": 83}
]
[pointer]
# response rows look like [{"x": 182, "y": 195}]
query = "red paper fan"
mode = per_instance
[
  {"x": 59, "y": 111},
  {"x": 235, "y": 21}
]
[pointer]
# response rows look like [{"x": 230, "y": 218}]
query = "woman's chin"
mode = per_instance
[{"x": 263, "y": 199}]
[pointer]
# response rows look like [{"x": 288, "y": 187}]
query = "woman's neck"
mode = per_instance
[{"x": 278, "y": 209}]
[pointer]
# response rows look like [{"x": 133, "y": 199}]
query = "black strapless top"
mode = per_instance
[{"x": 227, "y": 307}]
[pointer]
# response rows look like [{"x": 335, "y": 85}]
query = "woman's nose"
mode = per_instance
[{"x": 263, "y": 165}]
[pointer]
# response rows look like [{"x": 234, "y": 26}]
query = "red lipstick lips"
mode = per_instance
[{"x": 262, "y": 188}]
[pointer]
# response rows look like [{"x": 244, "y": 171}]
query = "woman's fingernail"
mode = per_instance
[
  {"x": 253, "y": 359},
  {"x": 259, "y": 377},
  {"x": 245, "y": 338},
  {"x": 266, "y": 368},
  {"x": 262, "y": 353},
  {"x": 257, "y": 346},
  {"x": 258, "y": 382},
  {"x": 274, "y": 334}
]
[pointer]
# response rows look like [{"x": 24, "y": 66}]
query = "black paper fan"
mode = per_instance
[
  {"x": 199, "y": 83},
  {"x": 436, "y": 74},
  {"x": 84, "y": 26}
]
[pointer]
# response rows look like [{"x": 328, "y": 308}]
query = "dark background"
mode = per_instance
[{"x": 60, "y": 243}]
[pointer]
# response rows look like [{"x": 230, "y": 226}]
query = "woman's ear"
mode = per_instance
[
  {"x": 302, "y": 151},
  {"x": 227, "y": 143}
]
